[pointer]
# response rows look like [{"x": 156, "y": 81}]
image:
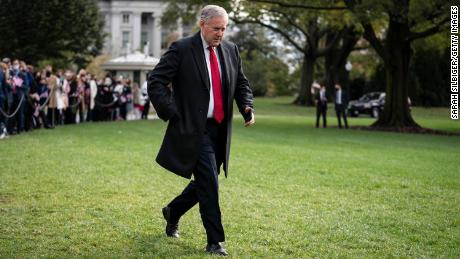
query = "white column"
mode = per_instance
[
  {"x": 156, "y": 41},
  {"x": 136, "y": 31},
  {"x": 115, "y": 33},
  {"x": 142, "y": 77}
]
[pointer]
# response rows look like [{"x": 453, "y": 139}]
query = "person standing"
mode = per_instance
[
  {"x": 145, "y": 97},
  {"x": 137, "y": 102},
  {"x": 206, "y": 76},
  {"x": 124, "y": 98},
  {"x": 341, "y": 103},
  {"x": 29, "y": 71},
  {"x": 321, "y": 105},
  {"x": 73, "y": 99},
  {"x": 82, "y": 85},
  {"x": 53, "y": 84},
  {"x": 43, "y": 97},
  {"x": 20, "y": 87},
  {"x": 3, "y": 100},
  {"x": 118, "y": 92},
  {"x": 60, "y": 97}
]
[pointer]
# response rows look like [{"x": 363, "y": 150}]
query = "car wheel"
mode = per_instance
[
  {"x": 375, "y": 112},
  {"x": 353, "y": 113}
]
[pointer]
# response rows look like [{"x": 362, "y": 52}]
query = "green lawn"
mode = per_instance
[{"x": 92, "y": 190}]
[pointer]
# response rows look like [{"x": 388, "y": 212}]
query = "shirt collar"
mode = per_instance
[{"x": 205, "y": 44}]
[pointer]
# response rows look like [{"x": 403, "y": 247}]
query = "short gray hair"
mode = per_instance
[{"x": 210, "y": 11}]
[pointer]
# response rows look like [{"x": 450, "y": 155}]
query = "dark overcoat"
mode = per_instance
[{"x": 178, "y": 88}]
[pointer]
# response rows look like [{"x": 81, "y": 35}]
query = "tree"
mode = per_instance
[
  {"x": 37, "y": 30},
  {"x": 407, "y": 22},
  {"x": 431, "y": 71},
  {"x": 336, "y": 58},
  {"x": 428, "y": 72},
  {"x": 304, "y": 31},
  {"x": 269, "y": 76}
]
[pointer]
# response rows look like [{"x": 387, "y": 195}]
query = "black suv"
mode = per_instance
[{"x": 370, "y": 103}]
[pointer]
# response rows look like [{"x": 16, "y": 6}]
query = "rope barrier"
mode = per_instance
[
  {"x": 75, "y": 105},
  {"x": 106, "y": 105},
  {"x": 14, "y": 113},
  {"x": 45, "y": 103}
]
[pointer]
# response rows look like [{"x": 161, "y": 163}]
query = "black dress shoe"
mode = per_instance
[
  {"x": 172, "y": 228},
  {"x": 217, "y": 249}
]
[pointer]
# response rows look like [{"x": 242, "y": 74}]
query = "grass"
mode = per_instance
[{"x": 93, "y": 190}]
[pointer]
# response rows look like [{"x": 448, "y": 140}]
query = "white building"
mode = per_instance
[
  {"x": 132, "y": 24},
  {"x": 135, "y": 66}
]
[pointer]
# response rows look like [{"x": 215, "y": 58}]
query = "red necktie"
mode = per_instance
[{"x": 216, "y": 87}]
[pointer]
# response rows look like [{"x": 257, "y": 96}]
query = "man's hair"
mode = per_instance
[{"x": 210, "y": 11}]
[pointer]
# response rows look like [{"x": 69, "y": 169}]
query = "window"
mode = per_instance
[
  {"x": 126, "y": 18},
  {"x": 144, "y": 38},
  {"x": 144, "y": 20},
  {"x": 125, "y": 39}
]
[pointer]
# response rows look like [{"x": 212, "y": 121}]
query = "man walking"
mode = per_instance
[
  {"x": 206, "y": 76},
  {"x": 341, "y": 102}
]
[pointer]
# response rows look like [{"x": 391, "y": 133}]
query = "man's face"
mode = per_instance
[{"x": 213, "y": 30}]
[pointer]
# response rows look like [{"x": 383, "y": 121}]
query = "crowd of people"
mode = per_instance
[{"x": 31, "y": 98}]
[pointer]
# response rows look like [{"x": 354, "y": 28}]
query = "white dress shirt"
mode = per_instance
[
  {"x": 208, "y": 66},
  {"x": 338, "y": 98},
  {"x": 322, "y": 95}
]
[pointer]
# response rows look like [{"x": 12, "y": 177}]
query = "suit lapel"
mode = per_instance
[
  {"x": 200, "y": 60},
  {"x": 225, "y": 66}
]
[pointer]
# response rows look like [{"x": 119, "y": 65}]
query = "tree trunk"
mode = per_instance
[
  {"x": 396, "y": 112},
  {"x": 336, "y": 59},
  {"x": 306, "y": 80}
]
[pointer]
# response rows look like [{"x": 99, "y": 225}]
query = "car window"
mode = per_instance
[
  {"x": 364, "y": 98},
  {"x": 375, "y": 96}
]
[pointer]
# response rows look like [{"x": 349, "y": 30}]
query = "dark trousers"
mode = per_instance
[
  {"x": 204, "y": 189},
  {"x": 89, "y": 114},
  {"x": 81, "y": 113},
  {"x": 321, "y": 110},
  {"x": 123, "y": 110},
  {"x": 42, "y": 115},
  {"x": 145, "y": 112},
  {"x": 21, "y": 106},
  {"x": 3, "y": 118},
  {"x": 341, "y": 112},
  {"x": 52, "y": 117}
]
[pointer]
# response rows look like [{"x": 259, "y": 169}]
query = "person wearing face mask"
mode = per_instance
[{"x": 18, "y": 82}]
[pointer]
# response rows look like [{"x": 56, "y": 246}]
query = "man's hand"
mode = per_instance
[{"x": 253, "y": 119}]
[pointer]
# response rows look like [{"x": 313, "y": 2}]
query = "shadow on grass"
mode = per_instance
[{"x": 161, "y": 245}]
